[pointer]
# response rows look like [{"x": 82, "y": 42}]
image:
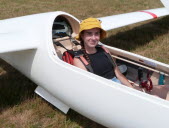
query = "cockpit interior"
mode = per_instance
[{"x": 64, "y": 31}]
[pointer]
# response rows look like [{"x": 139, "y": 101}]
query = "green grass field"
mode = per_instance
[{"x": 20, "y": 107}]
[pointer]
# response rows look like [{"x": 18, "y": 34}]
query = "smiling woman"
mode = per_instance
[{"x": 90, "y": 34}]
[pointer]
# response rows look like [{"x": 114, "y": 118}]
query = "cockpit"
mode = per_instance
[
  {"x": 64, "y": 30},
  {"x": 138, "y": 70},
  {"x": 61, "y": 28}
]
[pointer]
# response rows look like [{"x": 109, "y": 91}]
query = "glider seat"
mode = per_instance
[{"x": 66, "y": 43}]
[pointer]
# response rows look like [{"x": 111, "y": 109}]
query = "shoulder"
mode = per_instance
[
  {"x": 76, "y": 59},
  {"x": 78, "y": 63},
  {"x": 99, "y": 48}
]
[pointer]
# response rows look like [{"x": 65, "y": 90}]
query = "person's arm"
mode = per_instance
[
  {"x": 124, "y": 80},
  {"x": 78, "y": 63},
  {"x": 121, "y": 77}
]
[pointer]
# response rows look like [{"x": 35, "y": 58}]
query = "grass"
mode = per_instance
[{"x": 21, "y": 107}]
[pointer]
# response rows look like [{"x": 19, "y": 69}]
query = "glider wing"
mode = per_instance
[
  {"x": 165, "y": 3},
  {"x": 116, "y": 21},
  {"x": 11, "y": 42}
]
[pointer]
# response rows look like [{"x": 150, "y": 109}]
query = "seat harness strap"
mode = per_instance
[
  {"x": 79, "y": 54},
  {"x": 86, "y": 64},
  {"x": 107, "y": 53}
]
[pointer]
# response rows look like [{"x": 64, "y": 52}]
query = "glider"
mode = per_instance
[{"x": 28, "y": 44}]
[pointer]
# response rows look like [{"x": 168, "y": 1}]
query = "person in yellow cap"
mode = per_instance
[{"x": 90, "y": 34}]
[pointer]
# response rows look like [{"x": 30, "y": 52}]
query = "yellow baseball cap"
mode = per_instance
[{"x": 91, "y": 23}]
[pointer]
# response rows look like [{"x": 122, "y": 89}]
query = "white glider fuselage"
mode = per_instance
[{"x": 31, "y": 51}]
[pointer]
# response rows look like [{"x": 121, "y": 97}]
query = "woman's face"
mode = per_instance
[{"x": 91, "y": 37}]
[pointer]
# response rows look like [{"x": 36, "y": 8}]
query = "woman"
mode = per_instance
[{"x": 89, "y": 35}]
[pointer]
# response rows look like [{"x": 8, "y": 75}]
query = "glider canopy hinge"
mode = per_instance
[{"x": 51, "y": 99}]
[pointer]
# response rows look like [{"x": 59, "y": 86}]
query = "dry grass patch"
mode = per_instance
[
  {"x": 157, "y": 50},
  {"x": 80, "y": 9}
]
